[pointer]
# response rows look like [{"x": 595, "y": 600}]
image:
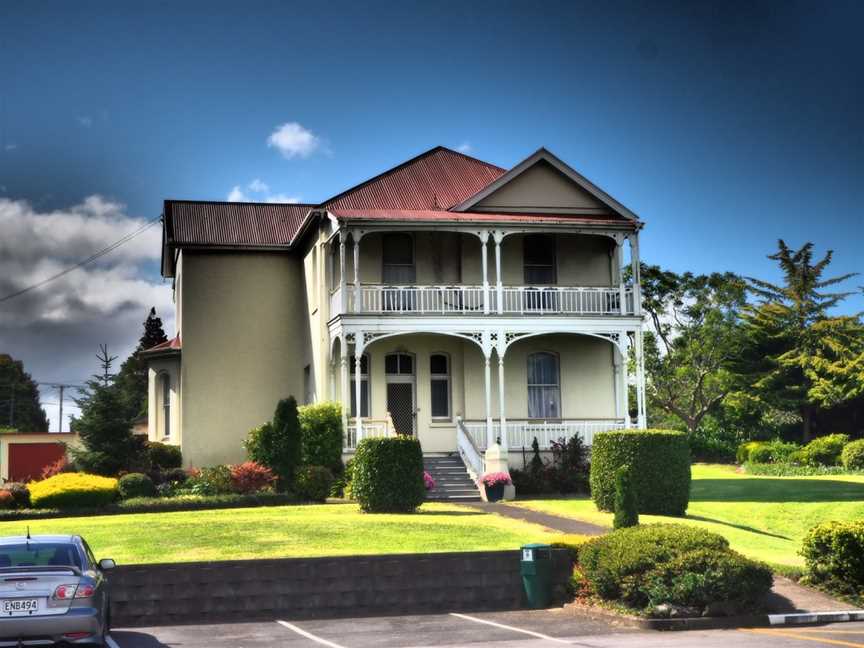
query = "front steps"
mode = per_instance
[{"x": 452, "y": 483}]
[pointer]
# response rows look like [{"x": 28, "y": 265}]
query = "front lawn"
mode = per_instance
[
  {"x": 762, "y": 517},
  {"x": 286, "y": 531}
]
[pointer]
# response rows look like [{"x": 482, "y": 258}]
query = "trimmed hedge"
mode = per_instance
[
  {"x": 614, "y": 564},
  {"x": 834, "y": 555},
  {"x": 852, "y": 456},
  {"x": 387, "y": 475},
  {"x": 164, "y": 456},
  {"x": 321, "y": 433},
  {"x": 73, "y": 490},
  {"x": 136, "y": 485},
  {"x": 660, "y": 464}
]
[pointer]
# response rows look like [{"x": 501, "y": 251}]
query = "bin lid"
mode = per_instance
[{"x": 536, "y": 545}]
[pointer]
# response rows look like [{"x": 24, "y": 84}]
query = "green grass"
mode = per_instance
[
  {"x": 762, "y": 517},
  {"x": 287, "y": 531}
]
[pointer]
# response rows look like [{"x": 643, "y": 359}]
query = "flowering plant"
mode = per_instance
[
  {"x": 496, "y": 479},
  {"x": 428, "y": 481}
]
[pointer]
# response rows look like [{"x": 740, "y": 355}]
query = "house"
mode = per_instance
[{"x": 446, "y": 298}]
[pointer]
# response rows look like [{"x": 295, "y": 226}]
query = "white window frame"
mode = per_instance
[
  {"x": 557, "y": 384},
  {"x": 165, "y": 403}
]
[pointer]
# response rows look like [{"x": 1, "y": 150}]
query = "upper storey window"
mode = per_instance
[
  {"x": 398, "y": 255},
  {"x": 538, "y": 254}
]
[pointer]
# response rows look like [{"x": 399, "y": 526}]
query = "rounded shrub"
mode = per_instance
[
  {"x": 164, "y": 456},
  {"x": 776, "y": 451},
  {"x": 701, "y": 577},
  {"x": 321, "y": 435},
  {"x": 852, "y": 456},
  {"x": 742, "y": 455},
  {"x": 136, "y": 485},
  {"x": 826, "y": 450},
  {"x": 313, "y": 483},
  {"x": 660, "y": 464},
  {"x": 614, "y": 564},
  {"x": 834, "y": 555},
  {"x": 387, "y": 475},
  {"x": 213, "y": 480},
  {"x": 73, "y": 490},
  {"x": 251, "y": 477},
  {"x": 20, "y": 494}
]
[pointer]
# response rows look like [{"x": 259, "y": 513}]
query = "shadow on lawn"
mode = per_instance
[
  {"x": 449, "y": 513},
  {"x": 742, "y": 527},
  {"x": 766, "y": 489}
]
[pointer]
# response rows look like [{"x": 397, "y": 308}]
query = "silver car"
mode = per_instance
[{"x": 52, "y": 590}]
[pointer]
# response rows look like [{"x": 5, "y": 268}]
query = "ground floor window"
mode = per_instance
[
  {"x": 165, "y": 383},
  {"x": 439, "y": 369},
  {"x": 544, "y": 388},
  {"x": 364, "y": 385}
]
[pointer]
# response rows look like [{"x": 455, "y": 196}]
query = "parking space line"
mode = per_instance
[
  {"x": 110, "y": 641},
  {"x": 803, "y": 637},
  {"x": 539, "y": 635},
  {"x": 309, "y": 635}
]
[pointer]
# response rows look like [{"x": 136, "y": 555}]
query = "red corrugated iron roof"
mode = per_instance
[
  {"x": 431, "y": 215},
  {"x": 231, "y": 224},
  {"x": 436, "y": 179},
  {"x": 169, "y": 346}
]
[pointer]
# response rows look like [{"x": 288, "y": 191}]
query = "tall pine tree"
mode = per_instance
[
  {"x": 797, "y": 357},
  {"x": 19, "y": 398},
  {"x": 132, "y": 377}
]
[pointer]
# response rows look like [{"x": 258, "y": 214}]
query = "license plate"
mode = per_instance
[{"x": 20, "y": 606}]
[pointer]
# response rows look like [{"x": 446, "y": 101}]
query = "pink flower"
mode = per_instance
[
  {"x": 496, "y": 479},
  {"x": 428, "y": 481}
]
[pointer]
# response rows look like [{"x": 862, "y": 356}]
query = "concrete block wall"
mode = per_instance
[{"x": 297, "y": 588}]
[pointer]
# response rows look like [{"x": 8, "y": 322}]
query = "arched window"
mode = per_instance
[
  {"x": 165, "y": 391},
  {"x": 364, "y": 385},
  {"x": 544, "y": 388},
  {"x": 439, "y": 372}
]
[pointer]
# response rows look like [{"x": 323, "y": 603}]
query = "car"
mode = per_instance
[{"x": 52, "y": 590}]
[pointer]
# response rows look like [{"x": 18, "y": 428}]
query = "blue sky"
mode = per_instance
[{"x": 723, "y": 125}]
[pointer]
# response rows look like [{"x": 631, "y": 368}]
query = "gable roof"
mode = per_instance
[
  {"x": 166, "y": 348},
  {"x": 436, "y": 179},
  {"x": 543, "y": 155}
]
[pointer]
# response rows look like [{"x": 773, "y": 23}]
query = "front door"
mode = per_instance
[{"x": 399, "y": 371}]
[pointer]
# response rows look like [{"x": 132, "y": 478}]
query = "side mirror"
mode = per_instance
[{"x": 107, "y": 563}]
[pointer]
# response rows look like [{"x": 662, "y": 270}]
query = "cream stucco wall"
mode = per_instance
[{"x": 245, "y": 332}]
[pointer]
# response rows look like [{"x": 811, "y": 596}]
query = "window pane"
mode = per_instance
[
  {"x": 542, "y": 369},
  {"x": 398, "y": 249},
  {"x": 438, "y": 364},
  {"x": 364, "y": 397},
  {"x": 539, "y": 275},
  {"x": 544, "y": 402},
  {"x": 539, "y": 249},
  {"x": 391, "y": 364},
  {"x": 406, "y": 364},
  {"x": 440, "y": 398}
]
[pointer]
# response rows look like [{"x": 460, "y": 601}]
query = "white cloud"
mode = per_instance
[
  {"x": 258, "y": 186},
  {"x": 293, "y": 140},
  {"x": 85, "y": 121},
  {"x": 465, "y": 147},
  {"x": 236, "y": 195},
  {"x": 56, "y": 329}
]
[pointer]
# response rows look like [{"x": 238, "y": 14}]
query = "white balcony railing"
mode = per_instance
[
  {"x": 371, "y": 428},
  {"x": 521, "y": 434},
  {"x": 470, "y": 300}
]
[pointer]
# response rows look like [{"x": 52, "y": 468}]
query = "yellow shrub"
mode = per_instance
[
  {"x": 73, "y": 490},
  {"x": 571, "y": 542}
]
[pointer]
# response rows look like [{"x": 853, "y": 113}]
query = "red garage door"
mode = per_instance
[{"x": 27, "y": 460}]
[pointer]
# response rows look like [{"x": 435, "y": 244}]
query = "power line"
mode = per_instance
[{"x": 89, "y": 259}]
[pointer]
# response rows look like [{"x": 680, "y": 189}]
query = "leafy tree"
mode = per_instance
[
  {"x": 797, "y": 357},
  {"x": 20, "y": 408},
  {"x": 695, "y": 335},
  {"x": 132, "y": 377},
  {"x": 104, "y": 425},
  {"x": 277, "y": 445}
]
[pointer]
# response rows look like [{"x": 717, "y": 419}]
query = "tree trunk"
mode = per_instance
[{"x": 807, "y": 419}]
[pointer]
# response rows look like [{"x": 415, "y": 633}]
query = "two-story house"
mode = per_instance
[{"x": 445, "y": 298}]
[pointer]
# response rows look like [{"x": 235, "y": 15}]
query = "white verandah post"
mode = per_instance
[
  {"x": 642, "y": 419},
  {"x": 484, "y": 238},
  {"x": 357, "y": 305},
  {"x": 343, "y": 382},
  {"x": 498, "y": 237},
  {"x": 359, "y": 345},
  {"x": 343, "y": 277},
  {"x": 501, "y": 416}
]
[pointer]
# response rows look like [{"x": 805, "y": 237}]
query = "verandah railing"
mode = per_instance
[{"x": 521, "y": 433}]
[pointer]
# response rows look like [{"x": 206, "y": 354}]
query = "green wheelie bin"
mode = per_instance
[{"x": 536, "y": 570}]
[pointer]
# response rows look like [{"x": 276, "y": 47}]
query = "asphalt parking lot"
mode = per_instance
[{"x": 523, "y": 629}]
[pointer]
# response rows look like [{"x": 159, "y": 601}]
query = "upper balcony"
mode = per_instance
[{"x": 448, "y": 273}]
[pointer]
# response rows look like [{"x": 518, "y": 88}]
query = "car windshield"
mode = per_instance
[{"x": 39, "y": 554}]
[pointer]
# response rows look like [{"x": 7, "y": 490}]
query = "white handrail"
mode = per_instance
[
  {"x": 371, "y": 428},
  {"x": 521, "y": 434},
  {"x": 469, "y": 299},
  {"x": 471, "y": 455}
]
